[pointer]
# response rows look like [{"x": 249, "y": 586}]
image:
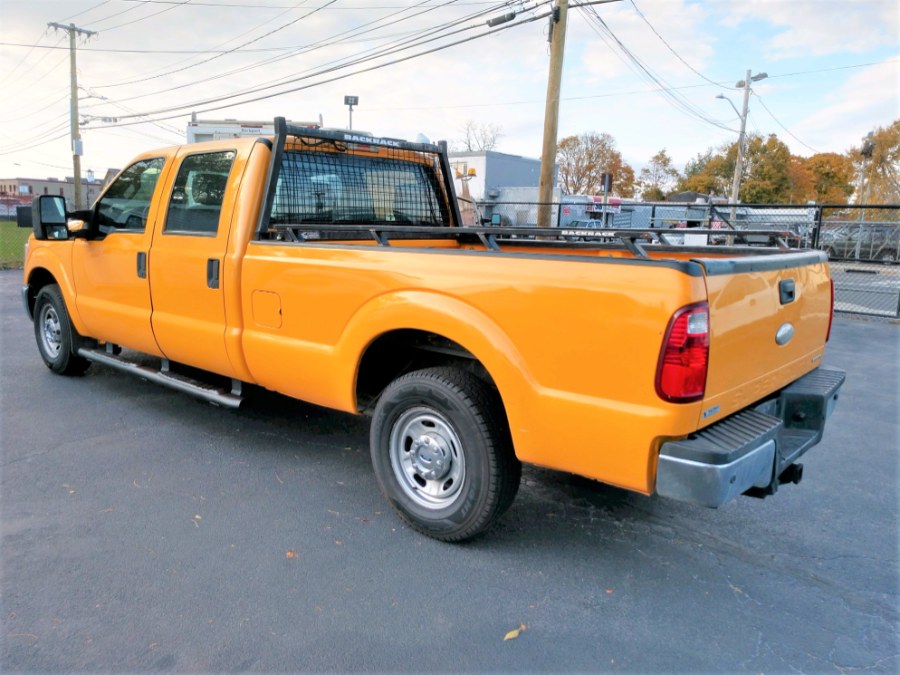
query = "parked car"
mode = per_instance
[{"x": 862, "y": 241}]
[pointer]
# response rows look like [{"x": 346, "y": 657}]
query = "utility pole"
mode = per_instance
[
  {"x": 551, "y": 111},
  {"x": 742, "y": 114},
  {"x": 557, "y": 40},
  {"x": 73, "y": 30},
  {"x": 739, "y": 165},
  {"x": 868, "y": 148}
]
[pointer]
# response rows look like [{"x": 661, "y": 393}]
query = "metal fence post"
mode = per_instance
[{"x": 818, "y": 226}]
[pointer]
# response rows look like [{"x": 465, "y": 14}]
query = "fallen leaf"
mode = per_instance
[
  {"x": 291, "y": 554},
  {"x": 609, "y": 591},
  {"x": 513, "y": 634},
  {"x": 338, "y": 542}
]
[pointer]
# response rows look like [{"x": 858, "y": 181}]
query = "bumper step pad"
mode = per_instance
[{"x": 749, "y": 450}]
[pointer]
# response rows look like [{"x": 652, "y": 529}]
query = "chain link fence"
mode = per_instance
[{"x": 863, "y": 242}]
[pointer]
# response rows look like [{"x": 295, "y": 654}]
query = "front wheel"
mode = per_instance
[
  {"x": 442, "y": 453},
  {"x": 56, "y": 338}
]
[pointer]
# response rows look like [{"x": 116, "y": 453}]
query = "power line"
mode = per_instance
[
  {"x": 642, "y": 70},
  {"x": 264, "y": 6},
  {"x": 670, "y": 47},
  {"x": 35, "y": 64},
  {"x": 85, "y": 11},
  {"x": 143, "y": 18},
  {"x": 332, "y": 79},
  {"x": 778, "y": 122},
  {"x": 355, "y": 32},
  {"x": 108, "y": 17},
  {"x": 332, "y": 66},
  {"x": 212, "y": 58}
]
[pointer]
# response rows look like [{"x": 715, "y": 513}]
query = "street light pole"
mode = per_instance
[
  {"x": 739, "y": 165},
  {"x": 351, "y": 101},
  {"x": 742, "y": 114}
]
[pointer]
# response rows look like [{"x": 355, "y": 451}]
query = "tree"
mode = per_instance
[
  {"x": 708, "y": 173},
  {"x": 479, "y": 137},
  {"x": 658, "y": 178},
  {"x": 584, "y": 159},
  {"x": 826, "y": 178},
  {"x": 765, "y": 175},
  {"x": 883, "y": 168},
  {"x": 766, "y": 171}
]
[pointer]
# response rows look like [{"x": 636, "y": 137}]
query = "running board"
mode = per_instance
[{"x": 165, "y": 377}]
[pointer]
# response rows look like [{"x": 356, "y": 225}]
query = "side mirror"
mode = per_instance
[
  {"x": 48, "y": 217},
  {"x": 495, "y": 219}
]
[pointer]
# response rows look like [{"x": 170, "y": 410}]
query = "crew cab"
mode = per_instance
[{"x": 334, "y": 268}]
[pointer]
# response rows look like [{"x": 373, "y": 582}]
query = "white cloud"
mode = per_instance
[
  {"x": 820, "y": 27},
  {"x": 868, "y": 99}
]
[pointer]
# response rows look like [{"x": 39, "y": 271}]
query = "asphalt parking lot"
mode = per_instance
[{"x": 143, "y": 530}]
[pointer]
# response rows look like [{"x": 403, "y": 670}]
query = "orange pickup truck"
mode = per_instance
[{"x": 333, "y": 268}]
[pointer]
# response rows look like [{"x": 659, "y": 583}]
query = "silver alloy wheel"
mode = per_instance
[
  {"x": 51, "y": 331},
  {"x": 427, "y": 458}
]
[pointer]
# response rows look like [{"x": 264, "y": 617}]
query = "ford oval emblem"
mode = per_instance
[{"x": 784, "y": 334}]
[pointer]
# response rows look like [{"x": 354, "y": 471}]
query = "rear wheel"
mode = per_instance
[
  {"x": 442, "y": 453},
  {"x": 56, "y": 338}
]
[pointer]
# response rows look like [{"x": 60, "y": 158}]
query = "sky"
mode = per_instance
[{"x": 646, "y": 72}]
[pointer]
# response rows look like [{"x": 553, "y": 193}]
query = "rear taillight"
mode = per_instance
[
  {"x": 683, "y": 361},
  {"x": 831, "y": 314}
]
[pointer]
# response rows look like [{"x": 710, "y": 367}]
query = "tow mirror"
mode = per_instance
[{"x": 48, "y": 217}]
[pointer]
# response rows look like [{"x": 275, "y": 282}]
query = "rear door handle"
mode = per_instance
[
  {"x": 142, "y": 265},
  {"x": 212, "y": 273}
]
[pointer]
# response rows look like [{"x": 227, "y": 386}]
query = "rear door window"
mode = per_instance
[{"x": 198, "y": 193}]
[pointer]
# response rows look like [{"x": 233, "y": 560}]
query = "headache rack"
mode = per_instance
[
  {"x": 327, "y": 179},
  {"x": 337, "y": 185}
]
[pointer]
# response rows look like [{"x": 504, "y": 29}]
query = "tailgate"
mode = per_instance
[{"x": 769, "y": 317}]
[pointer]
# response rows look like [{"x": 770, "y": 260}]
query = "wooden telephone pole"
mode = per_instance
[
  {"x": 551, "y": 111},
  {"x": 73, "y": 30}
]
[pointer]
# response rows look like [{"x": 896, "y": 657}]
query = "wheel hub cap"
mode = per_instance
[
  {"x": 431, "y": 458},
  {"x": 52, "y": 331},
  {"x": 427, "y": 457}
]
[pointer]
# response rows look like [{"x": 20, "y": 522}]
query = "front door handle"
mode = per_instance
[
  {"x": 212, "y": 273},
  {"x": 142, "y": 265}
]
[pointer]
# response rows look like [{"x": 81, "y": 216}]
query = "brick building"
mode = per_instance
[{"x": 20, "y": 191}]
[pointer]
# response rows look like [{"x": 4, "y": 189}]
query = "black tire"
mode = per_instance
[
  {"x": 56, "y": 338},
  {"x": 442, "y": 453}
]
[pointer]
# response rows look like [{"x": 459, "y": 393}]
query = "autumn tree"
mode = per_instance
[
  {"x": 766, "y": 170},
  {"x": 658, "y": 178},
  {"x": 584, "y": 159},
  {"x": 883, "y": 168},
  {"x": 800, "y": 181},
  {"x": 825, "y": 178},
  {"x": 708, "y": 173},
  {"x": 478, "y": 137},
  {"x": 765, "y": 175}
]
